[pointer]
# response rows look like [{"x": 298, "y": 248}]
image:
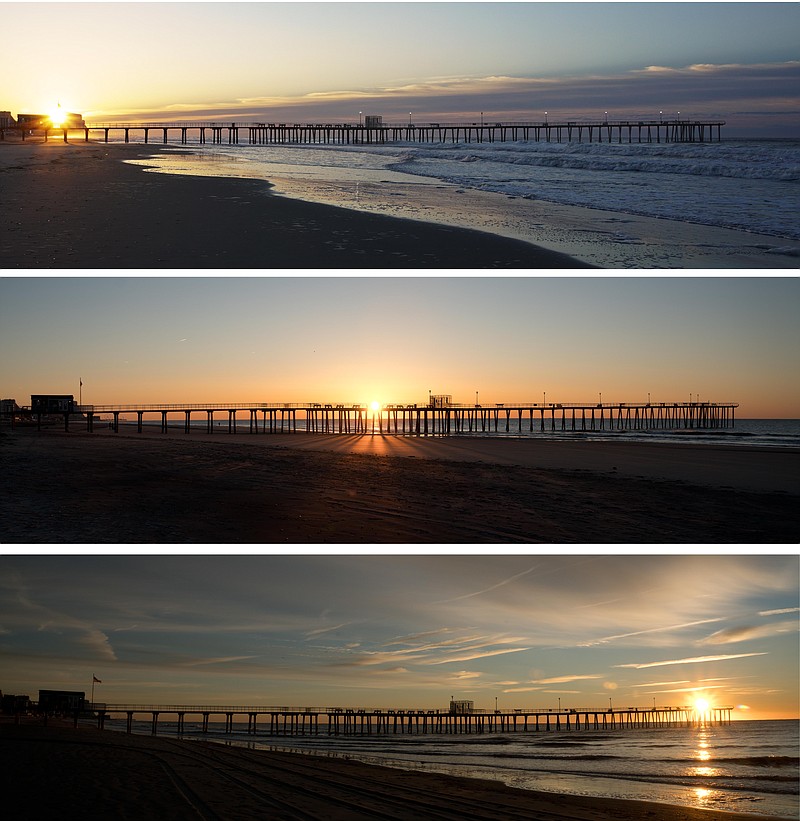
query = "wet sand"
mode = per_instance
[
  {"x": 65, "y": 772},
  {"x": 241, "y": 488},
  {"x": 78, "y": 206}
]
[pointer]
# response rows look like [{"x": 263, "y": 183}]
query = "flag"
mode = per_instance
[
  {"x": 81, "y": 381},
  {"x": 96, "y": 680}
]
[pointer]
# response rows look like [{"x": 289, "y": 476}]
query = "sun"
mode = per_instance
[
  {"x": 375, "y": 406},
  {"x": 701, "y": 705},
  {"x": 57, "y": 115}
]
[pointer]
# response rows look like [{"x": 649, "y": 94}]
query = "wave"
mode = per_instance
[{"x": 757, "y": 163}]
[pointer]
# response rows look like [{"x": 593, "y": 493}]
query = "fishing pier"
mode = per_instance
[
  {"x": 439, "y": 417},
  {"x": 337, "y": 721},
  {"x": 183, "y": 133}
]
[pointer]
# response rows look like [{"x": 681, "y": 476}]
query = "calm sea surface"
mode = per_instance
[{"x": 747, "y": 766}]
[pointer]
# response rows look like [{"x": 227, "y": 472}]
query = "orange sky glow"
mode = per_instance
[{"x": 391, "y": 340}]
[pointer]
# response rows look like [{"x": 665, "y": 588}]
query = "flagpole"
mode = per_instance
[{"x": 92, "y": 688}]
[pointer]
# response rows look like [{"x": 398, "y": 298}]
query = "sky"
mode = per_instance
[
  {"x": 299, "y": 62},
  {"x": 406, "y": 631},
  {"x": 344, "y": 340}
]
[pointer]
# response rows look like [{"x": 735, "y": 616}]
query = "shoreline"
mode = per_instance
[
  {"x": 316, "y": 490},
  {"x": 78, "y": 206},
  {"x": 604, "y": 238},
  {"x": 175, "y": 779}
]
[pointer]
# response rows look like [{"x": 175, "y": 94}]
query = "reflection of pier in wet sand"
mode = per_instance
[
  {"x": 294, "y": 721},
  {"x": 437, "y": 418}
]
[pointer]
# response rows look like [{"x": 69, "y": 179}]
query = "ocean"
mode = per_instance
[
  {"x": 614, "y": 205},
  {"x": 747, "y": 766}
]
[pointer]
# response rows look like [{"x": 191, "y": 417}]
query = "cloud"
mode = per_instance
[
  {"x": 98, "y": 642},
  {"x": 491, "y": 587},
  {"x": 694, "y": 689},
  {"x": 318, "y": 632},
  {"x": 221, "y": 660},
  {"x": 693, "y": 660},
  {"x": 479, "y": 655},
  {"x": 651, "y": 630},
  {"x": 522, "y": 689},
  {"x": 779, "y": 612},
  {"x": 562, "y": 679},
  {"x": 731, "y": 635}
]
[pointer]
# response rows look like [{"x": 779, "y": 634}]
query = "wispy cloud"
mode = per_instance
[
  {"x": 522, "y": 689},
  {"x": 779, "y": 612},
  {"x": 321, "y": 630},
  {"x": 478, "y": 655},
  {"x": 748, "y": 632},
  {"x": 666, "y": 629},
  {"x": 692, "y": 660},
  {"x": 221, "y": 660},
  {"x": 693, "y": 689},
  {"x": 563, "y": 679},
  {"x": 491, "y": 587}
]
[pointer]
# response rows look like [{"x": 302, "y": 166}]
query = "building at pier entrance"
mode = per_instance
[{"x": 52, "y": 403}]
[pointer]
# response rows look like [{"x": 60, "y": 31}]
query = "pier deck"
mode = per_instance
[
  {"x": 619, "y": 131},
  {"x": 435, "y": 419},
  {"x": 335, "y": 721}
]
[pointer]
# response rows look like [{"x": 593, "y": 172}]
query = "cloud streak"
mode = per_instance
[{"x": 692, "y": 660}]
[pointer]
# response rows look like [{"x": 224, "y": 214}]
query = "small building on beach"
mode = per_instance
[
  {"x": 6, "y": 120},
  {"x": 61, "y": 701},
  {"x": 52, "y": 403}
]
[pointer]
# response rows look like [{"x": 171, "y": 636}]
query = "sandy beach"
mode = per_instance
[
  {"x": 94, "y": 774},
  {"x": 78, "y": 206},
  {"x": 301, "y": 488}
]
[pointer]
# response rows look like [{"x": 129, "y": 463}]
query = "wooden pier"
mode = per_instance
[
  {"x": 337, "y": 721},
  {"x": 607, "y": 131},
  {"x": 438, "y": 418}
]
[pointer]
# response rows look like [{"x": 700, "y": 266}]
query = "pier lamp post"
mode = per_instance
[
  {"x": 430, "y": 401},
  {"x": 359, "y": 117},
  {"x": 476, "y": 399},
  {"x": 544, "y": 397},
  {"x": 559, "y": 704},
  {"x": 661, "y": 116},
  {"x": 648, "y": 397},
  {"x": 545, "y": 118},
  {"x": 409, "y": 119},
  {"x": 610, "y": 706},
  {"x": 679, "y": 116},
  {"x": 601, "y": 397},
  {"x": 606, "y": 117}
]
